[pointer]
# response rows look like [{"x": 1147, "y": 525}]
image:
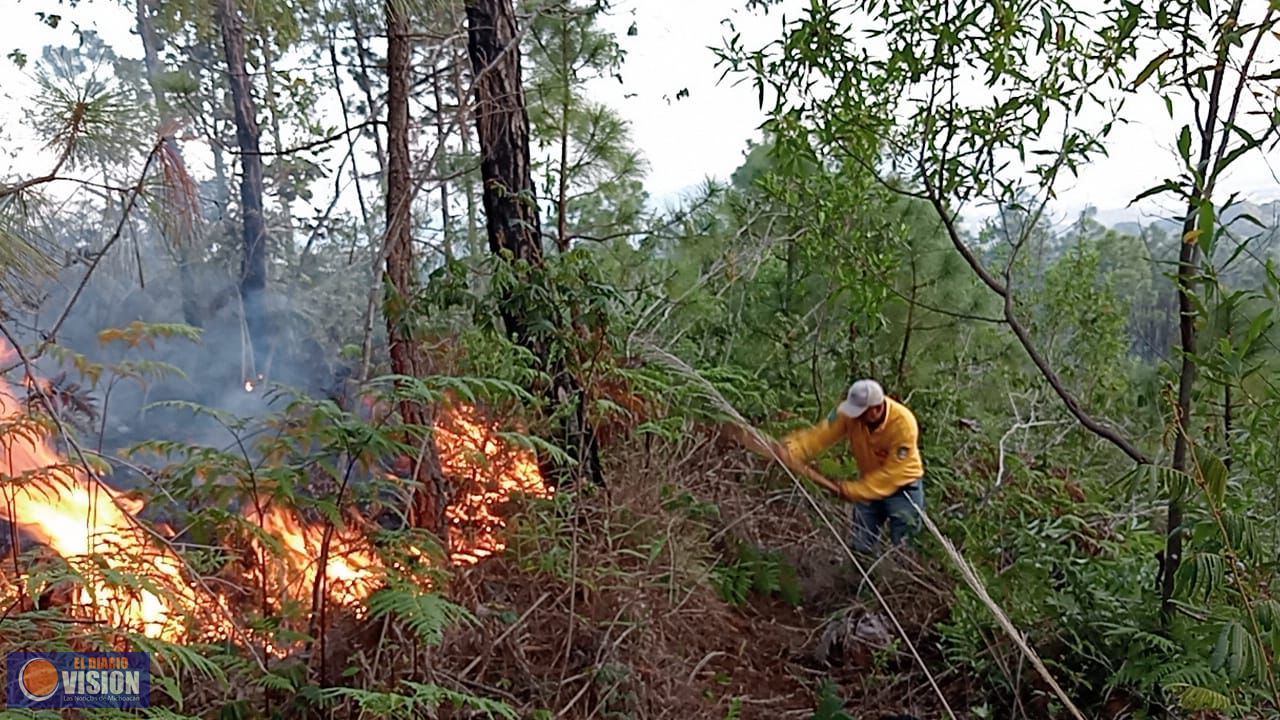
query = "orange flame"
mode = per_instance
[
  {"x": 91, "y": 526},
  {"x": 352, "y": 569},
  {"x": 489, "y": 471}
]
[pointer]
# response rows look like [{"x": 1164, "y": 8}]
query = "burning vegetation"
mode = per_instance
[{"x": 128, "y": 576}]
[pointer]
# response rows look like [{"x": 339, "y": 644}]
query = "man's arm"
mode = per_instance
[{"x": 802, "y": 445}]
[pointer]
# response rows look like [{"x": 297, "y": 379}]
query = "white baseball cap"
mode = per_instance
[{"x": 862, "y": 395}]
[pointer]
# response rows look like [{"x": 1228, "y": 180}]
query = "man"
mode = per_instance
[{"x": 883, "y": 435}]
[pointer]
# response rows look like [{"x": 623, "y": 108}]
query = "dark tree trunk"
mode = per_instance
[
  {"x": 1188, "y": 259},
  {"x": 906, "y": 333},
  {"x": 191, "y": 313},
  {"x": 1226, "y": 423},
  {"x": 562, "y": 199},
  {"x": 511, "y": 213},
  {"x": 431, "y": 493},
  {"x": 253, "y": 268},
  {"x": 503, "y": 126},
  {"x": 1188, "y": 276}
]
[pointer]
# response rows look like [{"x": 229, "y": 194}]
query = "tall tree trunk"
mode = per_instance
[
  {"x": 1188, "y": 260},
  {"x": 1226, "y": 423},
  {"x": 253, "y": 268},
  {"x": 445, "y": 234},
  {"x": 431, "y": 491},
  {"x": 468, "y": 186},
  {"x": 511, "y": 210},
  {"x": 1188, "y": 276},
  {"x": 562, "y": 199},
  {"x": 146, "y": 10},
  {"x": 906, "y": 333},
  {"x": 503, "y": 126}
]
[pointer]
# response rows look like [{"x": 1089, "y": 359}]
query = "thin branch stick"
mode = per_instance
[
  {"x": 1028, "y": 343},
  {"x": 51, "y": 335},
  {"x": 759, "y": 440},
  {"x": 975, "y": 583}
]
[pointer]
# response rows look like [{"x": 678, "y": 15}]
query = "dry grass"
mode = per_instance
[{"x": 606, "y": 606}]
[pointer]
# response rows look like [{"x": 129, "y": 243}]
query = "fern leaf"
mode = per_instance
[
  {"x": 426, "y": 614},
  {"x": 1198, "y": 699},
  {"x": 1175, "y": 481},
  {"x": 16, "y": 714},
  {"x": 1214, "y": 474},
  {"x": 1201, "y": 575}
]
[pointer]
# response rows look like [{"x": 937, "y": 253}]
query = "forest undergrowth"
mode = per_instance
[
  {"x": 692, "y": 586},
  {"x": 326, "y": 383}
]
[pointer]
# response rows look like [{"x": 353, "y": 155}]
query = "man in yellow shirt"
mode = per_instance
[{"x": 884, "y": 438}]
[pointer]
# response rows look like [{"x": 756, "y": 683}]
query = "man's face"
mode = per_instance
[{"x": 874, "y": 415}]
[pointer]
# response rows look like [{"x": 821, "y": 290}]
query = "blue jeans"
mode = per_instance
[{"x": 868, "y": 518}]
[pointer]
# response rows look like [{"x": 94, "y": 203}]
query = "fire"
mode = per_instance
[
  {"x": 93, "y": 527},
  {"x": 488, "y": 470},
  {"x": 352, "y": 569},
  {"x": 90, "y": 525}
]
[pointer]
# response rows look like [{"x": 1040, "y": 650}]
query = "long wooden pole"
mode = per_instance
[{"x": 758, "y": 442}]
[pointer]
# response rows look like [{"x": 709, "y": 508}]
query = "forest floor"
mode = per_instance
[{"x": 697, "y": 584}]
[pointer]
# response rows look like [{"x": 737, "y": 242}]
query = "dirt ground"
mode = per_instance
[{"x": 608, "y": 606}]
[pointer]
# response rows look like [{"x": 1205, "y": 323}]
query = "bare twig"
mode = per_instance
[
  {"x": 50, "y": 336},
  {"x": 976, "y": 584}
]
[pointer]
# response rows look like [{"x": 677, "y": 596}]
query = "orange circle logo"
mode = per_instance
[{"x": 39, "y": 679}]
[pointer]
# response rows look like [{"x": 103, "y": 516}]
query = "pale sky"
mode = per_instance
[{"x": 683, "y": 140}]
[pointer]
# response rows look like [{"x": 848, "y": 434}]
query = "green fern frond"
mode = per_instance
[
  {"x": 425, "y": 698},
  {"x": 1268, "y": 612},
  {"x": 1201, "y": 574},
  {"x": 1193, "y": 674},
  {"x": 1173, "y": 481},
  {"x": 439, "y": 695},
  {"x": 182, "y": 659},
  {"x": 537, "y": 444},
  {"x": 1213, "y": 474},
  {"x": 1242, "y": 533},
  {"x": 1237, "y": 650},
  {"x": 19, "y": 714},
  {"x": 272, "y": 681},
  {"x": 139, "y": 333},
  {"x": 1196, "y": 699},
  {"x": 426, "y": 614}
]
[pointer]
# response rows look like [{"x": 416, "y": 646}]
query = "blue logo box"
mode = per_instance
[{"x": 78, "y": 680}]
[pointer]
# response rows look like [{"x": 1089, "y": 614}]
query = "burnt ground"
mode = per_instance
[{"x": 695, "y": 585}]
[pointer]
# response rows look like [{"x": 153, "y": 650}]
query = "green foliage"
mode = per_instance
[
  {"x": 426, "y": 614},
  {"x": 592, "y": 188},
  {"x": 830, "y": 704},
  {"x": 421, "y": 700},
  {"x": 764, "y": 573},
  {"x": 85, "y": 115},
  {"x": 831, "y": 254}
]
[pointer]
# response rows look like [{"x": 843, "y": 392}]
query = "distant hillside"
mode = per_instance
[{"x": 1132, "y": 221}]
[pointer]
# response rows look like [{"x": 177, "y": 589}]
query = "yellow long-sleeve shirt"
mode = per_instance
[{"x": 888, "y": 457}]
